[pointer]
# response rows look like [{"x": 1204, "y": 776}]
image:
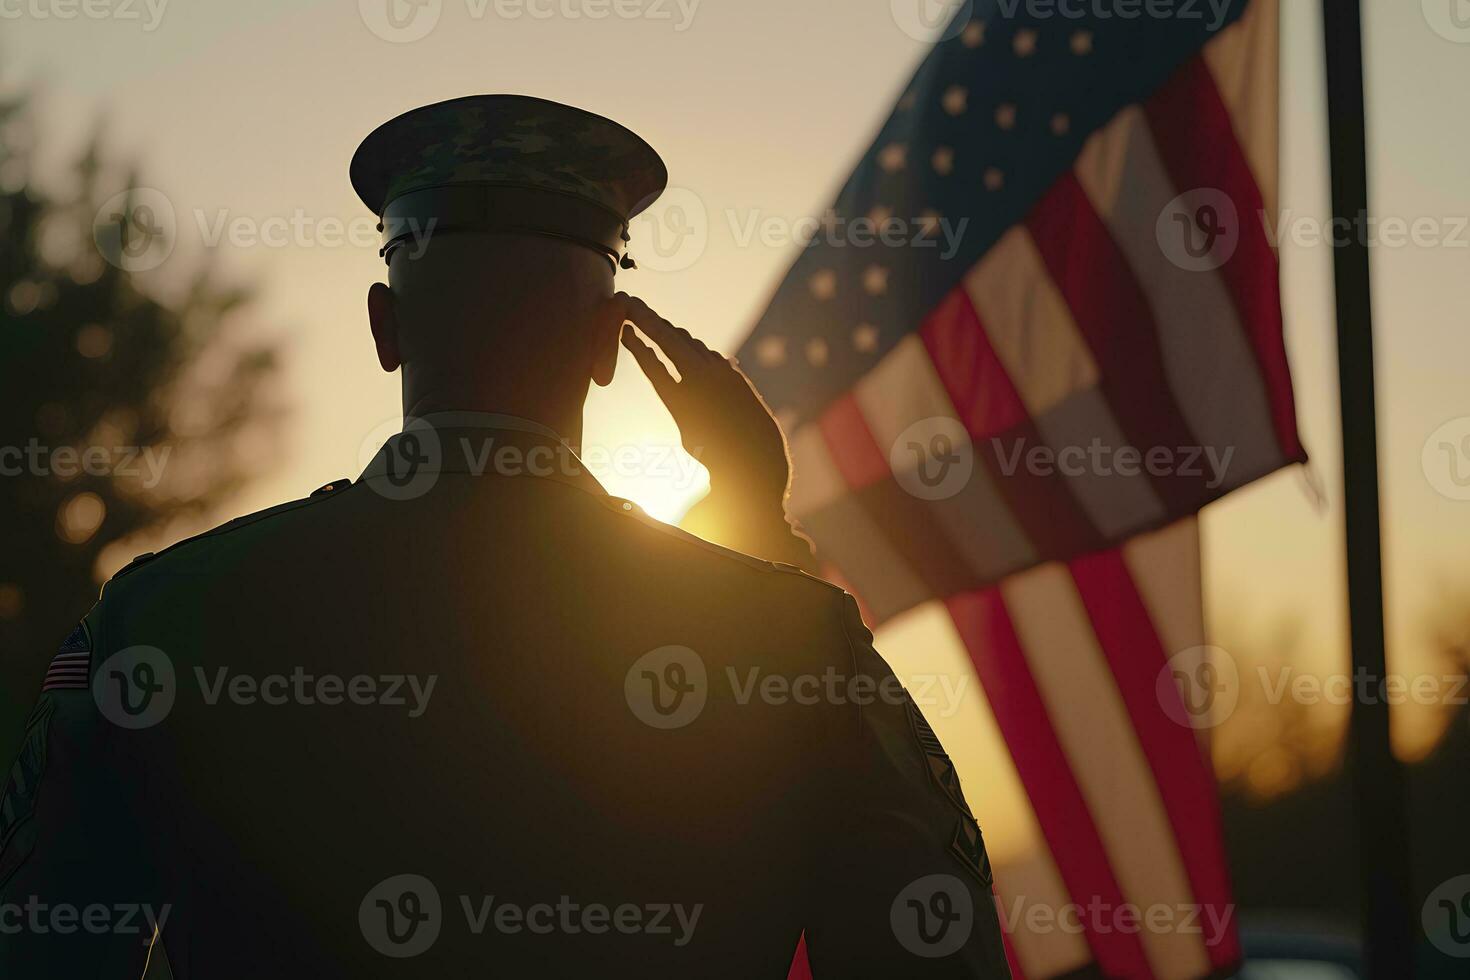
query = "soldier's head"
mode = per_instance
[{"x": 505, "y": 221}]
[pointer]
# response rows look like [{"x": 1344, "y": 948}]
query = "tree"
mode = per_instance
[{"x": 120, "y": 413}]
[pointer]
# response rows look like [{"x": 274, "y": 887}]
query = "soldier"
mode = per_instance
[{"x": 470, "y": 715}]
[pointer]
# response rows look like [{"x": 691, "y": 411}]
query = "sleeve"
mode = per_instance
[
  {"x": 77, "y": 895},
  {"x": 904, "y": 884}
]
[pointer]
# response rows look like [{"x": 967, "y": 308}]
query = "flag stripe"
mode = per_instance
[
  {"x": 960, "y": 348},
  {"x": 1186, "y": 787},
  {"x": 1188, "y": 118},
  {"x": 1061, "y": 811},
  {"x": 1094, "y": 729},
  {"x": 1245, "y": 60},
  {"x": 1207, "y": 355},
  {"x": 1113, "y": 316}
]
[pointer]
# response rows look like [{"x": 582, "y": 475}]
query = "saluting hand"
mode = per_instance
[
  {"x": 725, "y": 425},
  {"x": 722, "y": 421}
]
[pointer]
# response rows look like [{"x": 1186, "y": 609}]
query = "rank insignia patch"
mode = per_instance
[
  {"x": 969, "y": 847},
  {"x": 71, "y": 668},
  {"x": 19, "y": 798}
]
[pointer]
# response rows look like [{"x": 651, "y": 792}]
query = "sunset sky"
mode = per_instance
[{"x": 760, "y": 109}]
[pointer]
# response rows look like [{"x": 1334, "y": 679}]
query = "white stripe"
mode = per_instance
[
  {"x": 1208, "y": 361},
  {"x": 1028, "y": 323},
  {"x": 815, "y": 481},
  {"x": 1097, "y": 736},
  {"x": 1246, "y": 62}
]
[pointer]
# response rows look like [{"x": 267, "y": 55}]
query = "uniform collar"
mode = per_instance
[{"x": 477, "y": 444}]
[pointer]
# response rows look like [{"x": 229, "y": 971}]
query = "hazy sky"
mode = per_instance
[{"x": 250, "y": 112}]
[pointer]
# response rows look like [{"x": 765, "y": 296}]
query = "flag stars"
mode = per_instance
[
  {"x": 994, "y": 179},
  {"x": 955, "y": 100},
  {"x": 1061, "y": 124},
  {"x": 1005, "y": 116},
  {"x": 943, "y": 161},
  {"x": 1082, "y": 42},
  {"x": 823, "y": 284},
  {"x": 817, "y": 351},
  {"x": 875, "y": 280},
  {"x": 893, "y": 157},
  {"x": 865, "y": 338},
  {"x": 770, "y": 351},
  {"x": 974, "y": 34},
  {"x": 1024, "y": 43}
]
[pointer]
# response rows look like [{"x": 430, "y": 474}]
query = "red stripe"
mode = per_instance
[
  {"x": 985, "y": 626},
  {"x": 800, "y": 968},
  {"x": 1183, "y": 774},
  {"x": 1113, "y": 315},
  {"x": 907, "y": 523},
  {"x": 992, "y": 411},
  {"x": 1012, "y": 960},
  {"x": 1196, "y": 140}
]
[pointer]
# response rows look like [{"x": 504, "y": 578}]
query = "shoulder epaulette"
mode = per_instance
[{"x": 232, "y": 525}]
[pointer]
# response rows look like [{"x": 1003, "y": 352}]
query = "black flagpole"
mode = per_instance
[{"x": 1377, "y": 777}]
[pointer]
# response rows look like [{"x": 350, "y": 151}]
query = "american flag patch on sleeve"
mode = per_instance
[{"x": 71, "y": 668}]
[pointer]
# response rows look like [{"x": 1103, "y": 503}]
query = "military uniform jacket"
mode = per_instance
[{"x": 471, "y": 716}]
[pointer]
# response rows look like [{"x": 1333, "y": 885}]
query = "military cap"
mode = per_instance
[{"x": 507, "y": 163}]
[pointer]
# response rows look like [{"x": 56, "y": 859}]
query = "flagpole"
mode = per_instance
[{"x": 1377, "y": 778}]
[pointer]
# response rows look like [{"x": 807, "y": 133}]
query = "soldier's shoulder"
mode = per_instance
[
  {"x": 784, "y": 575},
  {"x": 181, "y": 551}
]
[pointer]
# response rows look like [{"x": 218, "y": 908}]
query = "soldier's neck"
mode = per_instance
[{"x": 562, "y": 415}]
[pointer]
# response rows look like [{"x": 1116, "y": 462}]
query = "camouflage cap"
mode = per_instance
[{"x": 547, "y": 168}]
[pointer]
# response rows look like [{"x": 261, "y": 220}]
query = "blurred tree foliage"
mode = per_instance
[{"x": 119, "y": 413}]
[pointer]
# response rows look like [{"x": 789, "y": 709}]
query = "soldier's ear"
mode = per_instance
[{"x": 384, "y": 321}]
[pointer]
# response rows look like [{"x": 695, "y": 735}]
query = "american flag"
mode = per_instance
[{"x": 1069, "y": 341}]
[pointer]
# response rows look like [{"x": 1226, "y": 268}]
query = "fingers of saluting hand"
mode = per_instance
[
  {"x": 663, "y": 382},
  {"x": 686, "y": 353}
]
